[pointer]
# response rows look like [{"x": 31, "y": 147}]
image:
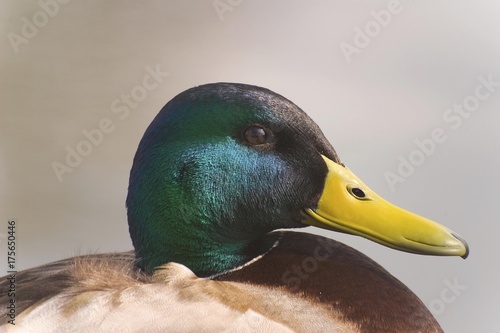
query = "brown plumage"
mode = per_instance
[
  {"x": 307, "y": 283},
  {"x": 342, "y": 279}
]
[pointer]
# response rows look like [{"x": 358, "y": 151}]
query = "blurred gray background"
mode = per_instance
[{"x": 376, "y": 76}]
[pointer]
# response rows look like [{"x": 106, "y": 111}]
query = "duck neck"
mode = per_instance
[{"x": 203, "y": 253}]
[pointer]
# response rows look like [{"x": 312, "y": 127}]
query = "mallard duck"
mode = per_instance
[{"x": 218, "y": 171}]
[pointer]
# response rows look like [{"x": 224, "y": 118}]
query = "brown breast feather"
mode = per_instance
[{"x": 332, "y": 274}]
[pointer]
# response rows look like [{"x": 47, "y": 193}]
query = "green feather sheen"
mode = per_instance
[{"x": 198, "y": 195}]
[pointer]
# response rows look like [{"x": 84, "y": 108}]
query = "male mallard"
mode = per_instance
[{"x": 219, "y": 168}]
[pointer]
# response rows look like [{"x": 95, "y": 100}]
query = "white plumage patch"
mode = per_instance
[{"x": 174, "y": 300}]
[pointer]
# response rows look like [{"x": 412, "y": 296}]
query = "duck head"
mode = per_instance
[{"x": 224, "y": 164}]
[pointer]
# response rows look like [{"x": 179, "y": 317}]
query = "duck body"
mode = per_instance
[
  {"x": 218, "y": 170},
  {"x": 292, "y": 288}
]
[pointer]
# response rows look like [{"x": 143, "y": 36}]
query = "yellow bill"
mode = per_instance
[{"x": 348, "y": 205}]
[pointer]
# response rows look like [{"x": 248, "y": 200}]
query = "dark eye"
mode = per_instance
[{"x": 257, "y": 135}]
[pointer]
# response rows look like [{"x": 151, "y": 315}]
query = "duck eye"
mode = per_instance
[
  {"x": 256, "y": 135},
  {"x": 357, "y": 192}
]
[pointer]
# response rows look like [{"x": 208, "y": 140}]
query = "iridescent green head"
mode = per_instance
[
  {"x": 224, "y": 164},
  {"x": 218, "y": 168}
]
